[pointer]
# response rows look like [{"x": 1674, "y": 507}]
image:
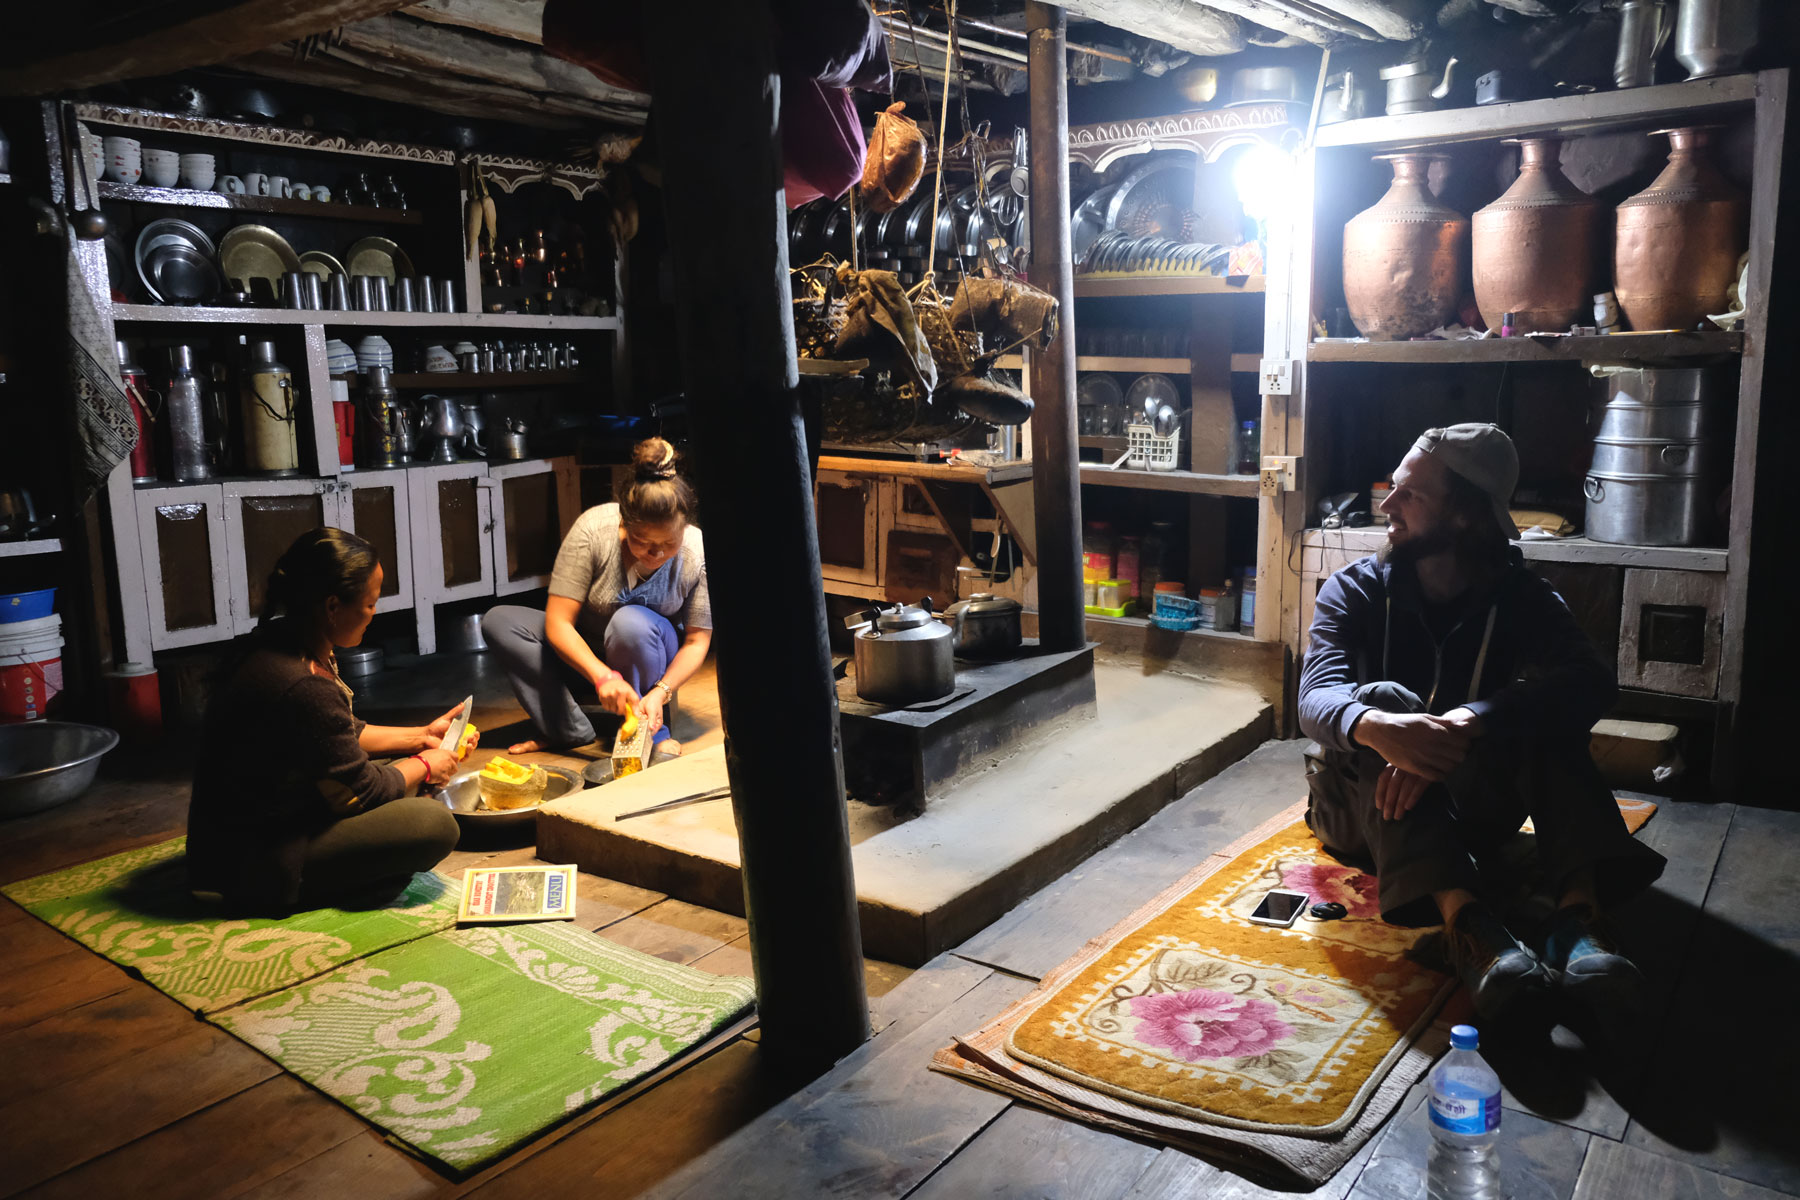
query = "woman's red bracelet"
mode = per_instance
[{"x": 426, "y": 765}]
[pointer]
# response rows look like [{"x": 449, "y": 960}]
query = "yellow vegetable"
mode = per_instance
[
  {"x": 470, "y": 736},
  {"x": 506, "y": 784},
  {"x": 506, "y": 770},
  {"x": 628, "y": 730}
]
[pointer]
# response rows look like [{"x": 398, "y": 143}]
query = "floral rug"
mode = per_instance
[
  {"x": 135, "y": 909},
  {"x": 1200, "y": 1011},
  {"x": 465, "y": 1044}
]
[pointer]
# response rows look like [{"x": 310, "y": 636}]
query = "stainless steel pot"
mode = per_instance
[
  {"x": 1647, "y": 456},
  {"x": 1670, "y": 422},
  {"x": 1256, "y": 85},
  {"x": 1646, "y": 510},
  {"x": 1410, "y": 86},
  {"x": 987, "y": 626},
  {"x": 1665, "y": 402},
  {"x": 903, "y": 654},
  {"x": 1712, "y": 37}
]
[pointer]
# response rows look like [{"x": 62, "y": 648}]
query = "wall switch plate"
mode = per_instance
[{"x": 1277, "y": 377}]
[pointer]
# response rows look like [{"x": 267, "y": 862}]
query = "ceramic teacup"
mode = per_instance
[
  {"x": 279, "y": 188},
  {"x": 321, "y": 192},
  {"x": 301, "y": 191},
  {"x": 161, "y": 168},
  {"x": 198, "y": 171},
  {"x": 229, "y": 185},
  {"x": 438, "y": 360},
  {"x": 256, "y": 184}
]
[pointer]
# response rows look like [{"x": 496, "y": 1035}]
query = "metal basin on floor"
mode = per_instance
[
  {"x": 462, "y": 796},
  {"x": 46, "y": 763}
]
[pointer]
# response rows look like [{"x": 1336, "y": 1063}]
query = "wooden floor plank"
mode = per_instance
[
  {"x": 677, "y": 931},
  {"x": 55, "y": 984},
  {"x": 366, "y": 1167},
  {"x": 603, "y": 902},
  {"x": 1029, "y": 1152},
  {"x": 219, "y": 1151},
  {"x": 114, "y": 816},
  {"x": 1709, "y": 1104},
  {"x": 1615, "y": 1172},
  {"x": 921, "y": 996},
  {"x": 874, "y": 1126},
  {"x": 57, "y": 1129},
  {"x": 641, "y": 1143},
  {"x": 1054, "y": 923},
  {"x": 79, "y": 1041}
]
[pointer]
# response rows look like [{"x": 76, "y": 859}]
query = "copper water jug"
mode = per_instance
[
  {"x": 1676, "y": 252},
  {"x": 1403, "y": 258},
  {"x": 1533, "y": 248}
]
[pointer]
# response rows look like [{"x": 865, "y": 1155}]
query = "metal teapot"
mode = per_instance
[
  {"x": 1409, "y": 87},
  {"x": 987, "y": 626},
  {"x": 441, "y": 423},
  {"x": 474, "y": 422},
  {"x": 904, "y": 654},
  {"x": 1345, "y": 100}
]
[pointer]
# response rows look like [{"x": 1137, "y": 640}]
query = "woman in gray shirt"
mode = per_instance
[{"x": 626, "y": 577}]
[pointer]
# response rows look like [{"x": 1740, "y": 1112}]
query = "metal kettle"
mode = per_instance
[
  {"x": 987, "y": 626},
  {"x": 903, "y": 654},
  {"x": 1409, "y": 86}
]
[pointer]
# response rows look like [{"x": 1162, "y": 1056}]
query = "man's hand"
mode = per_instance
[
  {"x": 1418, "y": 743},
  {"x": 1463, "y": 719},
  {"x": 1397, "y": 792}
]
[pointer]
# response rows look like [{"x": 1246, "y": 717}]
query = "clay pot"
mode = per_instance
[
  {"x": 1533, "y": 248},
  {"x": 1403, "y": 258},
  {"x": 1676, "y": 252}
]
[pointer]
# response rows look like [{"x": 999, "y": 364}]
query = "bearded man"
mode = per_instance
[{"x": 1451, "y": 694}]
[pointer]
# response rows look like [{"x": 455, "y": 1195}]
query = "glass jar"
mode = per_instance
[
  {"x": 1153, "y": 556},
  {"x": 1128, "y": 566},
  {"x": 1249, "y": 448},
  {"x": 1225, "y": 613}
]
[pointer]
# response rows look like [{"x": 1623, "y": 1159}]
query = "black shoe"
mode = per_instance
[
  {"x": 1583, "y": 962},
  {"x": 1502, "y": 976}
]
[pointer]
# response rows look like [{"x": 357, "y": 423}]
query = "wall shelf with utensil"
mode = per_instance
[
  {"x": 285, "y": 206},
  {"x": 27, "y": 546},
  {"x": 1662, "y": 203},
  {"x": 1190, "y": 482},
  {"x": 1627, "y": 347},
  {"x": 207, "y": 315},
  {"x": 1168, "y": 285},
  {"x": 1241, "y": 364},
  {"x": 486, "y": 381}
]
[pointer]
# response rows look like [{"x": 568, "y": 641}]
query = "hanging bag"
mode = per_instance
[{"x": 896, "y": 161}]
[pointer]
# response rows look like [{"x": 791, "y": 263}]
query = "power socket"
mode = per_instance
[{"x": 1280, "y": 473}]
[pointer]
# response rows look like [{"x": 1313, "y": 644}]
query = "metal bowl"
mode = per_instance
[
  {"x": 46, "y": 763},
  {"x": 462, "y": 796}
]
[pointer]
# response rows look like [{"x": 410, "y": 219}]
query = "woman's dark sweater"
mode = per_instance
[{"x": 279, "y": 763}]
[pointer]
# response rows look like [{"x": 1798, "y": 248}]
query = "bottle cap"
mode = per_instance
[{"x": 1464, "y": 1037}]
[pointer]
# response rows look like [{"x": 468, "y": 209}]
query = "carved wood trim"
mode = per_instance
[{"x": 265, "y": 135}]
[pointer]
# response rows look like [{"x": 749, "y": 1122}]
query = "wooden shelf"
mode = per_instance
[
  {"x": 24, "y": 546},
  {"x": 1241, "y": 364},
  {"x": 1144, "y": 623},
  {"x": 900, "y": 468},
  {"x": 1618, "y": 347},
  {"x": 1172, "y": 481},
  {"x": 338, "y": 475},
  {"x": 1658, "y": 107},
  {"x": 460, "y": 381},
  {"x": 1167, "y": 285},
  {"x": 189, "y": 198},
  {"x": 172, "y": 314},
  {"x": 1368, "y": 539}
]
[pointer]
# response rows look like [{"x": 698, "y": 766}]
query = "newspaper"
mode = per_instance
[{"x": 518, "y": 894}]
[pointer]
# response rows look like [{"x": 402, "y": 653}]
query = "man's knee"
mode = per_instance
[{"x": 1389, "y": 697}]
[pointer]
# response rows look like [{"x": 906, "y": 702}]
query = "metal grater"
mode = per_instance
[{"x": 631, "y": 755}]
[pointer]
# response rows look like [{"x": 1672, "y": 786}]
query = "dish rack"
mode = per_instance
[{"x": 1150, "y": 450}]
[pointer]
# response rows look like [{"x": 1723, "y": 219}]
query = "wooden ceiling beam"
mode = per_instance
[
  {"x": 1305, "y": 21},
  {"x": 198, "y": 41},
  {"x": 520, "y": 20},
  {"x": 1183, "y": 24},
  {"x": 1396, "y": 20},
  {"x": 438, "y": 48}
]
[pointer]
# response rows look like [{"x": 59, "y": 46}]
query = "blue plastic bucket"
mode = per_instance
[{"x": 27, "y": 606}]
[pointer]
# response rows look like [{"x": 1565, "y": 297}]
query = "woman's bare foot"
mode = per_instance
[
  {"x": 527, "y": 747},
  {"x": 670, "y": 747}
]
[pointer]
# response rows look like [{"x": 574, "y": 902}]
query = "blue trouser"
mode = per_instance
[{"x": 638, "y": 643}]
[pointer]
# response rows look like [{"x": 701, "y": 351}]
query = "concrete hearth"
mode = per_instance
[{"x": 926, "y": 881}]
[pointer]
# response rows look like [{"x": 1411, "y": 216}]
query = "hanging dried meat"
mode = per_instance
[{"x": 895, "y": 161}]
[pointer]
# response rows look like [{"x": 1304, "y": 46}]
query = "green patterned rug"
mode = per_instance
[
  {"x": 468, "y": 1043},
  {"x": 135, "y": 909}
]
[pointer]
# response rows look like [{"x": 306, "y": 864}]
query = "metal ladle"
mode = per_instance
[{"x": 88, "y": 223}]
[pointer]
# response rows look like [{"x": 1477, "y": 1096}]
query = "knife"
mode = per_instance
[{"x": 453, "y": 736}]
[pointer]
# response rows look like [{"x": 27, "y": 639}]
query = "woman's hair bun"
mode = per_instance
[{"x": 653, "y": 459}]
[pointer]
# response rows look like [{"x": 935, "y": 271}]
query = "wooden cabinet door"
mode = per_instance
[
  {"x": 376, "y": 506},
  {"x": 181, "y": 533},
  {"x": 262, "y": 519},
  {"x": 848, "y": 509},
  {"x": 527, "y": 525},
  {"x": 453, "y": 525}
]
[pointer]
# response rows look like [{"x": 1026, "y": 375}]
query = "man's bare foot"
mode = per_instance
[{"x": 527, "y": 747}]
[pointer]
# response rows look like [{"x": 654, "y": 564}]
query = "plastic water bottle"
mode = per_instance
[{"x": 1465, "y": 1124}]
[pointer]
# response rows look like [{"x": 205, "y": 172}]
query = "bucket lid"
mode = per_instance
[
  {"x": 13, "y": 631},
  {"x": 38, "y": 650},
  {"x": 130, "y": 670}
]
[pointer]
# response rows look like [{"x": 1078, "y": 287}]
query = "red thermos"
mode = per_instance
[
  {"x": 344, "y": 413},
  {"x": 143, "y": 454}
]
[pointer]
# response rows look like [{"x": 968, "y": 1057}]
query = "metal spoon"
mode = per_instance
[{"x": 89, "y": 222}]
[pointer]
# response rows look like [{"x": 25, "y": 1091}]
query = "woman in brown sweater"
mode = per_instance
[{"x": 290, "y": 809}]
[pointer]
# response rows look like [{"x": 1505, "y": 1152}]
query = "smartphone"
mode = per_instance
[{"x": 1280, "y": 908}]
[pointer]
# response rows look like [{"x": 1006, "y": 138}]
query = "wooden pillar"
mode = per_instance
[
  {"x": 1056, "y": 478},
  {"x": 716, "y": 110}
]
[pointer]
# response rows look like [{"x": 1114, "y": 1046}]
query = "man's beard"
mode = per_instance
[{"x": 1423, "y": 545}]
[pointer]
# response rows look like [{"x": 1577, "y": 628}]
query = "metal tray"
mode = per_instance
[{"x": 462, "y": 796}]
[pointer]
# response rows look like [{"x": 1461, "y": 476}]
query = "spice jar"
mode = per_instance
[{"x": 1099, "y": 550}]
